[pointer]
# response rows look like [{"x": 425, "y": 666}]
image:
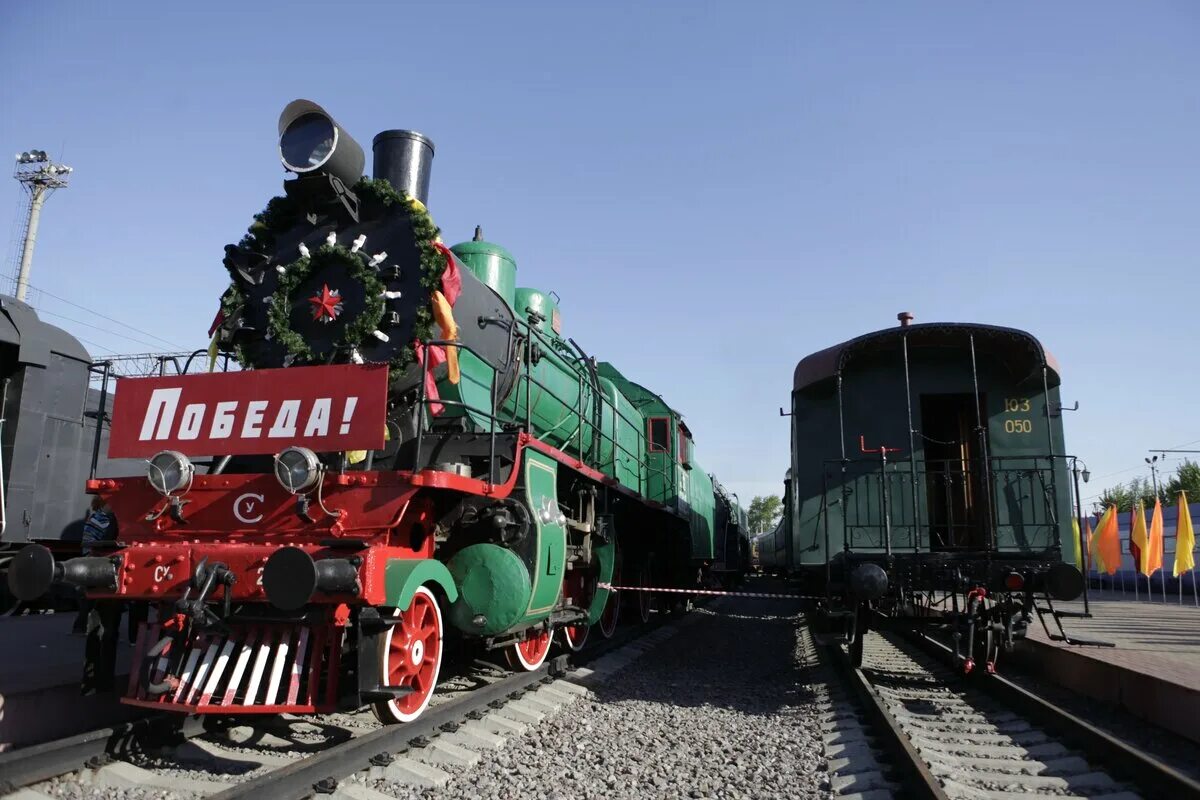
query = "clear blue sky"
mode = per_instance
[{"x": 715, "y": 190}]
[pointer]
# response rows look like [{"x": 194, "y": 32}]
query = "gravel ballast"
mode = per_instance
[{"x": 722, "y": 710}]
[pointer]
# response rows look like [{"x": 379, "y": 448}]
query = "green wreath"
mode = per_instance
[
  {"x": 354, "y": 265},
  {"x": 283, "y": 213}
]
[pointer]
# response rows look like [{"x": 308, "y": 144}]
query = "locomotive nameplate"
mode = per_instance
[{"x": 253, "y": 412}]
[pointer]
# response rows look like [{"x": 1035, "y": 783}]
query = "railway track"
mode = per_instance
[
  {"x": 281, "y": 758},
  {"x": 923, "y": 730}
]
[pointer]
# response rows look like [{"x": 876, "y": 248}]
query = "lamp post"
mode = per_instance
[
  {"x": 1084, "y": 555},
  {"x": 40, "y": 176},
  {"x": 1153, "y": 462}
]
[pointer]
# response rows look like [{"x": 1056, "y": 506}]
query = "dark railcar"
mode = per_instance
[
  {"x": 47, "y": 434},
  {"x": 731, "y": 535},
  {"x": 930, "y": 480}
]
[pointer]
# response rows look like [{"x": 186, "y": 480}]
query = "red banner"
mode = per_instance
[{"x": 261, "y": 411}]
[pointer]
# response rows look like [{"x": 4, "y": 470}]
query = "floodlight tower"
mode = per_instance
[{"x": 40, "y": 177}]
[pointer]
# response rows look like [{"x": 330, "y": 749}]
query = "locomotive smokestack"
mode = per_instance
[
  {"x": 905, "y": 318},
  {"x": 403, "y": 158}
]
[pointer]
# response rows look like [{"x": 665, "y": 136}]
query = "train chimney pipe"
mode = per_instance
[
  {"x": 905, "y": 318},
  {"x": 403, "y": 159}
]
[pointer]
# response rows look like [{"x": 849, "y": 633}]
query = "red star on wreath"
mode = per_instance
[{"x": 327, "y": 305}]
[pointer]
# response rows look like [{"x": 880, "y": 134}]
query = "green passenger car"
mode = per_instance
[{"x": 928, "y": 461}]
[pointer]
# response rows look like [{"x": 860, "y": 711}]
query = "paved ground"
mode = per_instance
[
  {"x": 41, "y": 663},
  {"x": 1153, "y": 672}
]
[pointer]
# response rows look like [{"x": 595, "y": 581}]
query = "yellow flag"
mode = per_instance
[
  {"x": 1185, "y": 539},
  {"x": 445, "y": 320},
  {"x": 1075, "y": 544},
  {"x": 212, "y": 352},
  {"x": 359, "y": 456},
  {"x": 1139, "y": 538}
]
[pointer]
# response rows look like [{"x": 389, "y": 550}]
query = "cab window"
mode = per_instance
[
  {"x": 682, "y": 450},
  {"x": 660, "y": 435}
]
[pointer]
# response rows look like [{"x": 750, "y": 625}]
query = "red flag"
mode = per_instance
[
  {"x": 1134, "y": 550},
  {"x": 451, "y": 279},
  {"x": 216, "y": 323}
]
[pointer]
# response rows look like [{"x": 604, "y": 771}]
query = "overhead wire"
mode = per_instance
[
  {"x": 97, "y": 327},
  {"x": 110, "y": 319},
  {"x": 1138, "y": 466}
]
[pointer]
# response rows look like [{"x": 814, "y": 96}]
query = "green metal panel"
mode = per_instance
[
  {"x": 537, "y": 301},
  {"x": 624, "y": 424},
  {"x": 404, "y": 576},
  {"x": 606, "y": 555},
  {"x": 698, "y": 502},
  {"x": 494, "y": 589},
  {"x": 560, "y": 390},
  {"x": 550, "y": 543},
  {"x": 554, "y": 407},
  {"x": 492, "y": 264},
  {"x": 662, "y": 469},
  {"x": 1031, "y": 512}
]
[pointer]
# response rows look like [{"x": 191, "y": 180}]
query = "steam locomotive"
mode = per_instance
[
  {"x": 413, "y": 451},
  {"x": 930, "y": 486}
]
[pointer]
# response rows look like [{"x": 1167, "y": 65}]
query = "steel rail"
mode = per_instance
[
  {"x": 1137, "y": 767},
  {"x": 913, "y": 771},
  {"x": 25, "y": 766},
  {"x": 321, "y": 771}
]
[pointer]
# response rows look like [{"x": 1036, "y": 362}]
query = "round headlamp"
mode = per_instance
[
  {"x": 310, "y": 140},
  {"x": 170, "y": 472},
  {"x": 297, "y": 469}
]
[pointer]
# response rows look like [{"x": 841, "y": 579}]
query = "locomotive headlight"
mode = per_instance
[
  {"x": 170, "y": 472},
  {"x": 297, "y": 469},
  {"x": 310, "y": 140}
]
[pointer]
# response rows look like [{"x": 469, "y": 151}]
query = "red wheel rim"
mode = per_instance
[
  {"x": 530, "y": 653},
  {"x": 579, "y": 589},
  {"x": 574, "y": 637},
  {"x": 612, "y": 608},
  {"x": 411, "y": 654}
]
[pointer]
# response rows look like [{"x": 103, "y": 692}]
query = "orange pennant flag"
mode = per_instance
[
  {"x": 1108, "y": 544},
  {"x": 1155, "y": 555}
]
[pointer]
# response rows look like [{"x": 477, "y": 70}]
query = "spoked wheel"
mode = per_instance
[
  {"x": 612, "y": 608},
  {"x": 530, "y": 653},
  {"x": 574, "y": 637},
  {"x": 411, "y": 657},
  {"x": 644, "y": 602},
  {"x": 580, "y": 588}
]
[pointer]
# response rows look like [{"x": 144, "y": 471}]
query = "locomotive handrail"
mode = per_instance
[{"x": 645, "y": 470}]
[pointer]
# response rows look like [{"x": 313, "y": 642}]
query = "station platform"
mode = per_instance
[
  {"x": 1152, "y": 672},
  {"x": 41, "y": 663}
]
